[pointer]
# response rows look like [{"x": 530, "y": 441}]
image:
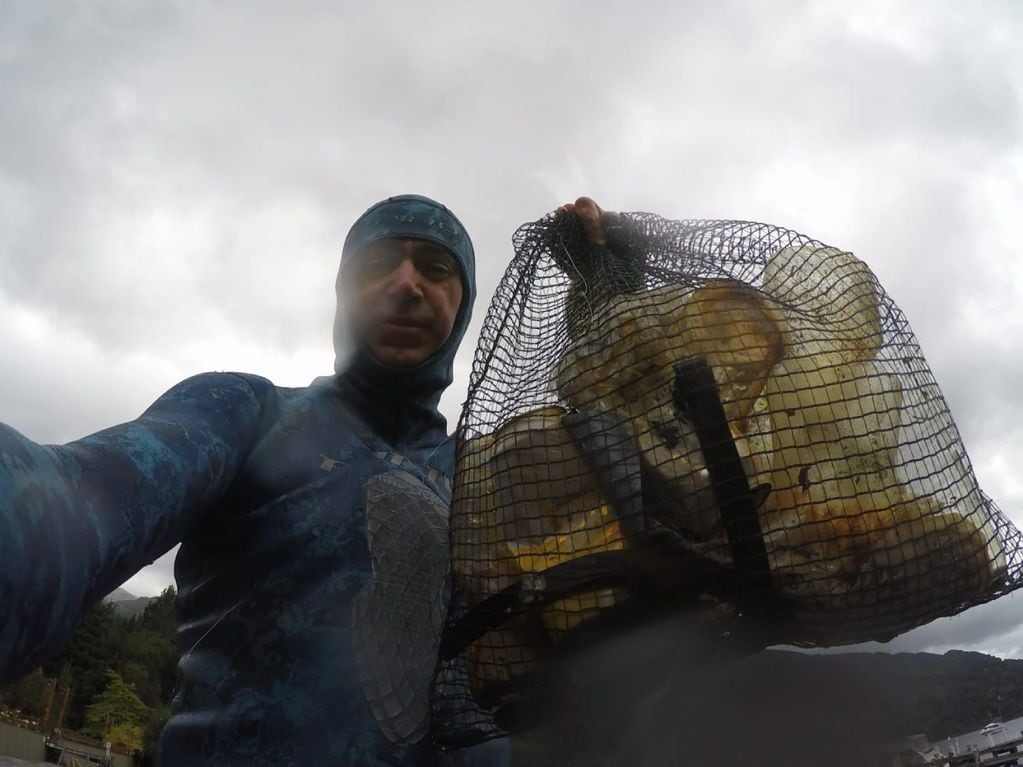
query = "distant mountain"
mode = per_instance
[
  {"x": 940, "y": 695},
  {"x": 127, "y": 604},
  {"x": 774, "y": 707}
]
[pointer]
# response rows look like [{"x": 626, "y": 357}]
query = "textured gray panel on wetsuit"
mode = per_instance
[{"x": 397, "y": 619}]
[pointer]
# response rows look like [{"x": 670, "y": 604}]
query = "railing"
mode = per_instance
[{"x": 999, "y": 755}]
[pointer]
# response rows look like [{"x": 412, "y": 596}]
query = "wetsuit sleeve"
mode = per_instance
[{"x": 76, "y": 520}]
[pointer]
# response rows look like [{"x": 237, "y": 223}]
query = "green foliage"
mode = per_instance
[
  {"x": 142, "y": 680},
  {"x": 140, "y": 650},
  {"x": 116, "y": 705},
  {"x": 29, "y": 694},
  {"x": 152, "y": 647},
  {"x": 126, "y": 737},
  {"x": 96, "y": 646}
]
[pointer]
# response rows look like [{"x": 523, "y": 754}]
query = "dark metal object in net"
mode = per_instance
[{"x": 696, "y": 394}]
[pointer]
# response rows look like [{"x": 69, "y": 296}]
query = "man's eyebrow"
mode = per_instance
[
  {"x": 425, "y": 246},
  {"x": 382, "y": 245}
]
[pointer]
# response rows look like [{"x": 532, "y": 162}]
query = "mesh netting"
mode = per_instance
[{"x": 716, "y": 416}]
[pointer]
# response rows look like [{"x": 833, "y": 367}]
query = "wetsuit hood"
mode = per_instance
[{"x": 406, "y": 216}]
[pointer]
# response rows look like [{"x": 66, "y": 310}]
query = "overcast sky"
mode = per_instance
[{"x": 176, "y": 178}]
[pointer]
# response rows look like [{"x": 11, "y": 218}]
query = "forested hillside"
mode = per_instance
[
  {"x": 940, "y": 695},
  {"x": 121, "y": 666}
]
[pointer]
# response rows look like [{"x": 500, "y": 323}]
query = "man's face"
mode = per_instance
[{"x": 403, "y": 297}]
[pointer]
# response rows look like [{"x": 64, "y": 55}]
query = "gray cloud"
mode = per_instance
[{"x": 995, "y": 628}]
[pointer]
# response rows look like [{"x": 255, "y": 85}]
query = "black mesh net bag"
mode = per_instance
[{"x": 719, "y": 418}]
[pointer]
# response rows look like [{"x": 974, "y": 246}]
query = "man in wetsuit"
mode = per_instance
[{"x": 312, "y": 571}]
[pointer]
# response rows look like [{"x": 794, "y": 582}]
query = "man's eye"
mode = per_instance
[
  {"x": 438, "y": 268},
  {"x": 378, "y": 264}
]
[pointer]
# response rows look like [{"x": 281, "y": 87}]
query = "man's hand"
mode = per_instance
[{"x": 591, "y": 217}]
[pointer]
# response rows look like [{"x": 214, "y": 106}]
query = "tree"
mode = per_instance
[
  {"x": 29, "y": 694},
  {"x": 126, "y": 737},
  {"x": 117, "y": 714},
  {"x": 96, "y": 645},
  {"x": 150, "y": 652}
]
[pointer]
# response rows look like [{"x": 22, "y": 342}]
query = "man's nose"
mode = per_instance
[{"x": 406, "y": 279}]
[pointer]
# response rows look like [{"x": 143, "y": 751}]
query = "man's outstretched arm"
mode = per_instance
[{"x": 76, "y": 520}]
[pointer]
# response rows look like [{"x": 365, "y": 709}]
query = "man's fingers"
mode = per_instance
[
  {"x": 591, "y": 217},
  {"x": 588, "y": 204}
]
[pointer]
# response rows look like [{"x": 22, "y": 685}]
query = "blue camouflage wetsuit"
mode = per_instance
[{"x": 264, "y": 488}]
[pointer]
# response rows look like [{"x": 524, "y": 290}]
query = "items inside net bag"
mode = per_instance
[{"x": 705, "y": 413}]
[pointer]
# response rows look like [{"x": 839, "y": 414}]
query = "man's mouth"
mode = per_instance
[
  {"x": 406, "y": 322},
  {"x": 402, "y": 331}
]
